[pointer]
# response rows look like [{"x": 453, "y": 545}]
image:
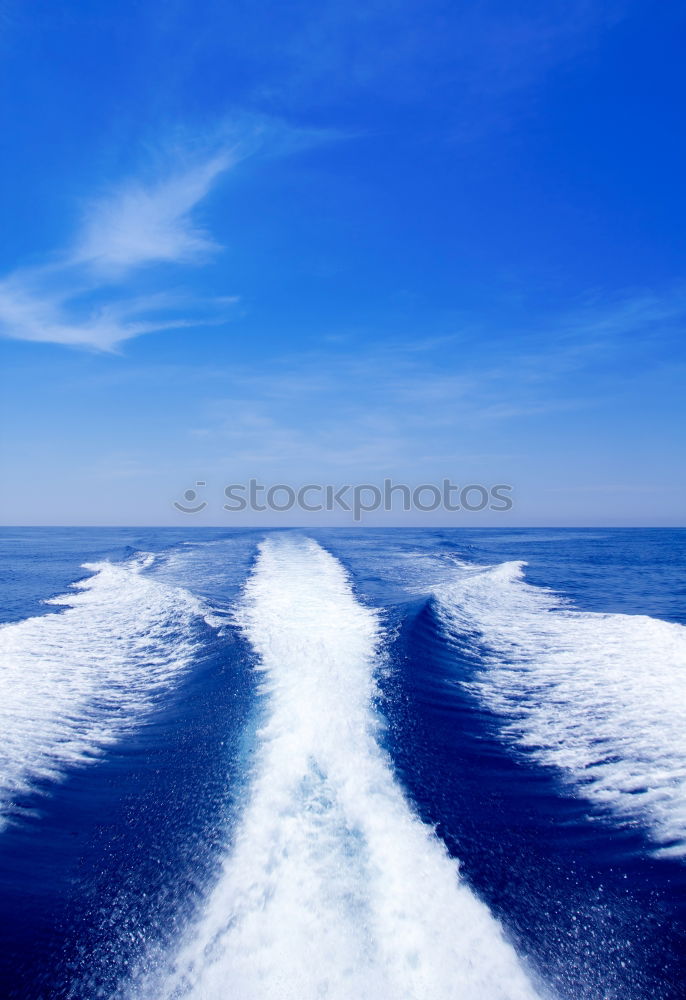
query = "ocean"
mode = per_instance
[{"x": 400, "y": 764}]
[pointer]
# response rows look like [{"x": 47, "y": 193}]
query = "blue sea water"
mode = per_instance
[{"x": 343, "y": 763}]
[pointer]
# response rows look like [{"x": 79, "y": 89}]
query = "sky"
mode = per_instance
[{"x": 338, "y": 242}]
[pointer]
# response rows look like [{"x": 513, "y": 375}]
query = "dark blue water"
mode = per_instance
[{"x": 102, "y": 866}]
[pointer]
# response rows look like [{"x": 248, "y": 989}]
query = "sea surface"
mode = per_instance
[{"x": 348, "y": 764}]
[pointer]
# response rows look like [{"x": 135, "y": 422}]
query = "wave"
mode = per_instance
[
  {"x": 601, "y": 697},
  {"x": 333, "y": 887},
  {"x": 74, "y": 682}
]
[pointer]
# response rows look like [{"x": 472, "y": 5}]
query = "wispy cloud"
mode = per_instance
[
  {"x": 356, "y": 409},
  {"x": 140, "y": 224},
  {"x": 488, "y": 56},
  {"x": 79, "y": 297}
]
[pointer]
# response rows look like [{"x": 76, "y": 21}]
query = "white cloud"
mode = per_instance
[
  {"x": 149, "y": 224},
  {"x": 79, "y": 298},
  {"x": 27, "y": 315},
  {"x": 75, "y": 300},
  {"x": 420, "y": 406}
]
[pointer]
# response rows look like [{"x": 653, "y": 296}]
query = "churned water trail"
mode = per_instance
[
  {"x": 75, "y": 681},
  {"x": 600, "y": 697},
  {"x": 332, "y": 886}
]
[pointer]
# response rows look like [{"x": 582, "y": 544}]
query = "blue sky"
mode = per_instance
[{"x": 336, "y": 242}]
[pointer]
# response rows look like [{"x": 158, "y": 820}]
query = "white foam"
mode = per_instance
[
  {"x": 333, "y": 887},
  {"x": 600, "y": 696},
  {"x": 73, "y": 682}
]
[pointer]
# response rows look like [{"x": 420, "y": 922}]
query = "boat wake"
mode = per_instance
[
  {"x": 332, "y": 886},
  {"x": 74, "y": 682},
  {"x": 601, "y": 697}
]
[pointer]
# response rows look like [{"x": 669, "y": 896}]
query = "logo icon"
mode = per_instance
[{"x": 190, "y": 496}]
